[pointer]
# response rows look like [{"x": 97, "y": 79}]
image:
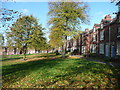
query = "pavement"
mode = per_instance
[{"x": 92, "y": 59}]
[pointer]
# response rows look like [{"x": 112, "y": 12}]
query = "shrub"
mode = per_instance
[
  {"x": 75, "y": 52},
  {"x": 93, "y": 55},
  {"x": 57, "y": 53}
]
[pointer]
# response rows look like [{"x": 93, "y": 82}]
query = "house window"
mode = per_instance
[
  {"x": 94, "y": 29},
  {"x": 101, "y": 26},
  {"x": 93, "y": 48},
  {"x": 83, "y": 49},
  {"x": 94, "y": 37},
  {"x": 118, "y": 48},
  {"x": 119, "y": 29},
  {"x": 101, "y": 49},
  {"x": 102, "y": 35}
]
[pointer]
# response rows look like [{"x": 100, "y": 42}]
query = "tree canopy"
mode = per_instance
[
  {"x": 1, "y": 40},
  {"x": 64, "y": 19},
  {"x": 26, "y": 33}
]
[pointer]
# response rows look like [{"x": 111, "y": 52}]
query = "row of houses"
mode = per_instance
[
  {"x": 16, "y": 51},
  {"x": 103, "y": 39},
  {"x": 13, "y": 51}
]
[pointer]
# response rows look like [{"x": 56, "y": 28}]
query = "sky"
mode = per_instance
[{"x": 96, "y": 11}]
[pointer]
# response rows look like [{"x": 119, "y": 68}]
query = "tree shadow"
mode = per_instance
[
  {"x": 96, "y": 68},
  {"x": 13, "y": 73},
  {"x": 12, "y": 58},
  {"x": 116, "y": 73}
]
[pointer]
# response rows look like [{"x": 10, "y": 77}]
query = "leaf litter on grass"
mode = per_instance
[{"x": 66, "y": 73}]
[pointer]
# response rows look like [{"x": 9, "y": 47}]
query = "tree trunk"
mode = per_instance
[
  {"x": 64, "y": 47},
  {"x": 24, "y": 52},
  {"x": 24, "y": 57},
  {"x": 65, "y": 44},
  {"x": 21, "y": 51},
  {"x": 63, "y": 51}
]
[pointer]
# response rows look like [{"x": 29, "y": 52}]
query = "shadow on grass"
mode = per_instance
[
  {"x": 92, "y": 67},
  {"x": 116, "y": 73},
  {"x": 70, "y": 67},
  {"x": 13, "y": 73},
  {"x": 12, "y": 58},
  {"x": 15, "y": 57},
  {"x": 50, "y": 55}
]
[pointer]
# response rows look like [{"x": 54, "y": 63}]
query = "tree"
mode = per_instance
[
  {"x": 114, "y": 1},
  {"x": 38, "y": 42},
  {"x": 26, "y": 33},
  {"x": 7, "y": 16},
  {"x": 56, "y": 37},
  {"x": 2, "y": 40},
  {"x": 67, "y": 16}
]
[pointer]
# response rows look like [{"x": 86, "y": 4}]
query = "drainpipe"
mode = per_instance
[
  {"x": 109, "y": 43},
  {"x": 97, "y": 42}
]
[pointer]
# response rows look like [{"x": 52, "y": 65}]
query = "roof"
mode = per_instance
[
  {"x": 96, "y": 25},
  {"x": 112, "y": 22},
  {"x": 118, "y": 3}
]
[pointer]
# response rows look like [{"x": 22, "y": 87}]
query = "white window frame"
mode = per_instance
[
  {"x": 93, "y": 48},
  {"x": 118, "y": 48},
  {"x": 94, "y": 29},
  {"x": 101, "y": 26},
  {"x": 101, "y": 48},
  {"x": 83, "y": 49},
  {"x": 102, "y": 35},
  {"x": 94, "y": 37}
]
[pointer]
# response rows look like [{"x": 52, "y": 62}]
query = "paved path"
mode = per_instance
[{"x": 107, "y": 63}]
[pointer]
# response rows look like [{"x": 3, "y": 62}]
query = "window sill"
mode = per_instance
[{"x": 118, "y": 36}]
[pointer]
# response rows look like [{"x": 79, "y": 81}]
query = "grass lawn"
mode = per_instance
[{"x": 50, "y": 71}]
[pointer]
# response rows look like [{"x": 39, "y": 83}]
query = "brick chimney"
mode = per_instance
[
  {"x": 107, "y": 17},
  {"x": 86, "y": 30}
]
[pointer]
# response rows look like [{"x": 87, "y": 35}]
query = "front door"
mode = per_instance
[
  {"x": 113, "y": 51},
  {"x": 107, "y": 50}
]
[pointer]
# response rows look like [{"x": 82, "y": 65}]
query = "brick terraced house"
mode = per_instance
[{"x": 103, "y": 39}]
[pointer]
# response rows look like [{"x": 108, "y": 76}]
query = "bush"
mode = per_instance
[
  {"x": 113, "y": 60},
  {"x": 90, "y": 55},
  {"x": 75, "y": 52},
  {"x": 67, "y": 51},
  {"x": 93, "y": 55},
  {"x": 85, "y": 55},
  {"x": 57, "y": 53}
]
